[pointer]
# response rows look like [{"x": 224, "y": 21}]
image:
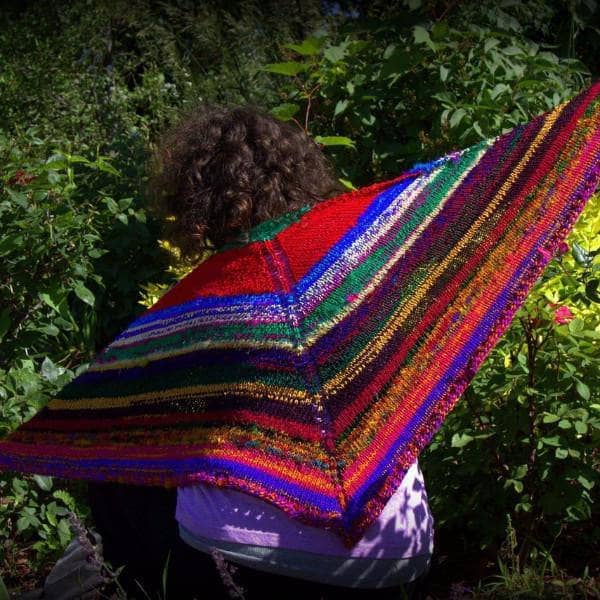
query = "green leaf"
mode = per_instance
[
  {"x": 591, "y": 290},
  {"x": 285, "y": 111},
  {"x": 478, "y": 130},
  {"x": 285, "y": 68},
  {"x": 51, "y": 513},
  {"x": 347, "y": 184},
  {"x": 44, "y": 482},
  {"x": 586, "y": 483},
  {"x": 64, "y": 532},
  {"x": 548, "y": 418},
  {"x": 521, "y": 471},
  {"x": 54, "y": 178},
  {"x": 83, "y": 293},
  {"x": 112, "y": 206},
  {"x": 334, "y": 140},
  {"x": 65, "y": 498},
  {"x": 459, "y": 440},
  {"x": 26, "y": 521},
  {"x": 489, "y": 44},
  {"x": 335, "y": 54},
  {"x": 56, "y": 298},
  {"x": 581, "y": 256},
  {"x": 522, "y": 359},
  {"x": 97, "y": 252},
  {"x": 457, "y": 117},
  {"x": 125, "y": 203},
  {"x": 498, "y": 89},
  {"x": 17, "y": 197},
  {"x": 106, "y": 167},
  {"x": 512, "y": 51},
  {"x": 10, "y": 242},
  {"x": 421, "y": 36},
  {"x": 551, "y": 441},
  {"x": 308, "y": 47},
  {"x": 398, "y": 63},
  {"x": 49, "y": 329},
  {"x": 50, "y": 371},
  {"x": 439, "y": 31},
  {"x": 576, "y": 326},
  {"x": 443, "y": 73},
  {"x": 57, "y": 161},
  {"x": 583, "y": 390},
  {"x": 340, "y": 107},
  {"x": 561, "y": 453}
]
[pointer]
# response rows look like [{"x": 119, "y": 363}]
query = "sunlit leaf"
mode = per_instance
[
  {"x": 334, "y": 140},
  {"x": 286, "y": 68},
  {"x": 83, "y": 293},
  {"x": 285, "y": 111}
]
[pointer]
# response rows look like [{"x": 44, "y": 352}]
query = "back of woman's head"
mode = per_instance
[{"x": 221, "y": 171}]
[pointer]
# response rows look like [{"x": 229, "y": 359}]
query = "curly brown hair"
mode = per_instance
[{"x": 220, "y": 171}]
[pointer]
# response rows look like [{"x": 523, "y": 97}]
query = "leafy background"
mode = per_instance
[{"x": 86, "y": 89}]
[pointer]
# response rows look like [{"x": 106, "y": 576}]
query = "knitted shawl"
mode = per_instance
[{"x": 310, "y": 364}]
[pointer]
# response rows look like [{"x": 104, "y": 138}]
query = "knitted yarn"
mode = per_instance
[{"x": 311, "y": 363}]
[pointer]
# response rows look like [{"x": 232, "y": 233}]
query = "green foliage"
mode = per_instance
[
  {"x": 416, "y": 90},
  {"x": 72, "y": 254},
  {"x": 87, "y": 73},
  {"x": 569, "y": 26},
  {"x": 34, "y": 520}
]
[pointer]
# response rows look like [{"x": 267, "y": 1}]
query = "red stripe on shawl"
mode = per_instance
[
  {"x": 308, "y": 240},
  {"x": 231, "y": 272}
]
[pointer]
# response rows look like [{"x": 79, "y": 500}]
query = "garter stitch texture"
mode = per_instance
[{"x": 311, "y": 364}]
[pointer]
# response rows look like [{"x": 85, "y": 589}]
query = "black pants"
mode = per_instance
[{"x": 139, "y": 531}]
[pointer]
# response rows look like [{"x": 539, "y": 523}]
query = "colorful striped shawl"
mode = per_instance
[{"x": 312, "y": 363}]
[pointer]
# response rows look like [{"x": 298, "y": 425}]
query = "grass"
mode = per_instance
[{"x": 541, "y": 578}]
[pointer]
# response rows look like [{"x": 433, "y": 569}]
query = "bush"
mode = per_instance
[{"x": 76, "y": 247}]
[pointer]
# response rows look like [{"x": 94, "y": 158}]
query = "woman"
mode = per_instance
[{"x": 221, "y": 173}]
